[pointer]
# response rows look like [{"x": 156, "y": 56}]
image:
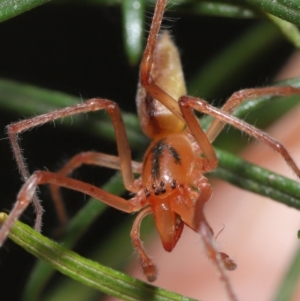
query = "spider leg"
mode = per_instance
[
  {"x": 218, "y": 258},
  {"x": 43, "y": 177},
  {"x": 91, "y": 105},
  {"x": 147, "y": 80},
  {"x": 89, "y": 158},
  {"x": 148, "y": 60},
  {"x": 192, "y": 213},
  {"x": 146, "y": 263},
  {"x": 248, "y": 94},
  {"x": 188, "y": 103}
]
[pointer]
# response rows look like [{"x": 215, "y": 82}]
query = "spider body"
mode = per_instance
[
  {"x": 170, "y": 162},
  {"x": 172, "y": 185}
]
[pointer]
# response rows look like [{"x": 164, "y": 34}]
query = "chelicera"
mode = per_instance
[{"x": 172, "y": 184}]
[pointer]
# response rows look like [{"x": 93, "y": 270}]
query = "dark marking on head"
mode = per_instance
[
  {"x": 174, "y": 154},
  {"x": 157, "y": 151},
  {"x": 173, "y": 184}
]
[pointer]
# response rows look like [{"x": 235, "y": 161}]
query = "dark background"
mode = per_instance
[{"x": 79, "y": 50}]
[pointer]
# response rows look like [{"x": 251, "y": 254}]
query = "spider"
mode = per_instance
[{"x": 172, "y": 184}]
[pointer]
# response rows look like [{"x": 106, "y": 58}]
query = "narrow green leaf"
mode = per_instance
[
  {"x": 42, "y": 272},
  {"x": 289, "y": 30},
  {"x": 10, "y": 9},
  {"x": 223, "y": 9},
  {"x": 133, "y": 28},
  {"x": 27, "y": 100},
  {"x": 256, "y": 179},
  {"x": 105, "y": 251},
  {"x": 286, "y": 10},
  {"x": 290, "y": 280},
  {"x": 90, "y": 273}
]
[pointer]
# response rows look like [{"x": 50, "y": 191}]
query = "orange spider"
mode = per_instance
[{"x": 172, "y": 185}]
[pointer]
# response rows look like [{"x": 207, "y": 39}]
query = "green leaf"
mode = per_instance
[
  {"x": 287, "y": 10},
  {"x": 73, "y": 232},
  {"x": 290, "y": 280},
  {"x": 10, "y": 9},
  {"x": 90, "y": 273},
  {"x": 256, "y": 179},
  {"x": 221, "y": 9},
  {"x": 133, "y": 25},
  {"x": 289, "y": 30},
  {"x": 27, "y": 99}
]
